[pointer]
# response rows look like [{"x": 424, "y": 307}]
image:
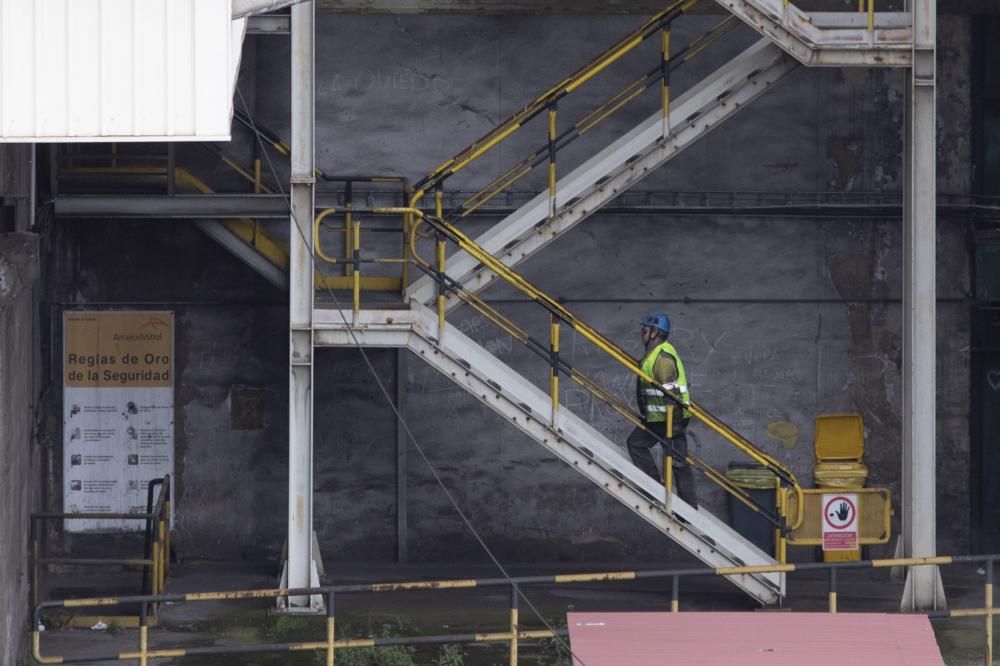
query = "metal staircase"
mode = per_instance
[
  {"x": 790, "y": 37},
  {"x": 564, "y": 434},
  {"x": 837, "y": 39},
  {"x": 599, "y": 180},
  {"x": 568, "y": 201}
]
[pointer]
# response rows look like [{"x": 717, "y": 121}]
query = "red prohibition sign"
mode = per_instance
[{"x": 844, "y": 522}]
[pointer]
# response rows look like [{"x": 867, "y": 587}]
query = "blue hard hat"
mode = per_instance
[{"x": 657, "y": 320}]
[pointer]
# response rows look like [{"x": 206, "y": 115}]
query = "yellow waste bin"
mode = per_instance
[{"x": 840, "y": 447}]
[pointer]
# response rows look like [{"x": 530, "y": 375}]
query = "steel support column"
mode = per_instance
[
  {"x": 300, "y": 567},
  {"x": 918, "y": 539}
]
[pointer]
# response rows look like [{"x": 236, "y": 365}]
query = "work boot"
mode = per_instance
[{"x": 684, "y": 480}]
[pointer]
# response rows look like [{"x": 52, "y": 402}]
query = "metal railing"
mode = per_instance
[
  {"x": 513, "y": 631},
  {"x": 560, "y": 367},
  {"x": 548, "y": 102},
  {"x": 444, "y": 232},
  {"x": 155, "y": 561}
]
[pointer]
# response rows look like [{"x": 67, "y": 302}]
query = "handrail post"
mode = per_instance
[
  {"x": 668, "y": 478},
  {"x": 553, "y": 109},
  {"x": 348, "y": 228},
  {"x": 156, "y": 564},
  {"x": 665, "y": 76},
  {"x": 554, "y": 360},
  {"x": 780, "y": 515},
  {"x": 668, "y": 460},
  {"x": 166, "y": 541},
  {"x": 330, "y": 633},
  {"x": 404, "y": 282},
  {"x": 675, "y": 585},
  {"x": 407, "y": 221},
  {"x": 871, "y": 15},
  {"x": 832, "y": 593},
  {"x": 143, "y": 632},
  {"x": 357, "y": 270},
  {"x": 439, "y": 213},
  {"x": 989, "y": 613},
  {"x": 163, "y": 554},
  {"x": 440, "y": 285},
  {"x": 513, "y": 625}
]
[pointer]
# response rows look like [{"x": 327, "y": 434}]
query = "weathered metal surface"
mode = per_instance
[{"x": 119, "y": 70}]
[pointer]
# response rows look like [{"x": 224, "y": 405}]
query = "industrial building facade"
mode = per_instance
[{"x": 770, "y": 227}]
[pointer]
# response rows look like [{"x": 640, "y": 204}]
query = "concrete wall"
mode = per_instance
[
  {"x": 229, "y": 340},
  {"x": 20, "y": 471},
  {"x": 778, "y": 319}
]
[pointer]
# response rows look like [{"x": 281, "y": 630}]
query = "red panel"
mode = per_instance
[{"x": 749, "y": 639}]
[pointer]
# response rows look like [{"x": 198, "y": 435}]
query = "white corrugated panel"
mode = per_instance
[{"x": 117, "y": 70}]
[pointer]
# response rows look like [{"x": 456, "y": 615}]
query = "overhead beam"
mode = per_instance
[
  {"x": 243, "y": 8},
  {"x": 187, "y": 206},
  {"x": 269, "y": 25},
  {"x": 588, "y": 7}
]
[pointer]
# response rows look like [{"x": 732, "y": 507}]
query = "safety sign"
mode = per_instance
[
  {"x": 118, "y": 413},
  {"x": 840, "y": 522}
]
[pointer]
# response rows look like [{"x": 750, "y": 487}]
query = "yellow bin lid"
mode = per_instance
[{"x": 840, "y": 437}]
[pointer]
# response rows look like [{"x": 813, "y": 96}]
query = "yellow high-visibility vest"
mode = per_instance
[{"x": 651, "y": 398}]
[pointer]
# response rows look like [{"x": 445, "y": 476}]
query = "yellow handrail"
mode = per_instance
[
  {"x": 617, "y": 353},
  {"x": 623, "y": 47}
]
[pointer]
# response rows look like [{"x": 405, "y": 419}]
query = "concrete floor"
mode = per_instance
[{"x": 461, "y": 611}]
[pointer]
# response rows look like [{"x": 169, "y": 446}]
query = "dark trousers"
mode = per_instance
[{"x": 641, "y": 441}]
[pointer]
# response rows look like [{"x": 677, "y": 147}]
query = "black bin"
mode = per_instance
[{"x": 758, "y": 482}]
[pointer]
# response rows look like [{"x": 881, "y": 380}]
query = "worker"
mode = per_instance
[{"x": 663, "y": 364}]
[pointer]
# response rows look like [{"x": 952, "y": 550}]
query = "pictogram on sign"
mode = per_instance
[{"x": 840, "y": 522}]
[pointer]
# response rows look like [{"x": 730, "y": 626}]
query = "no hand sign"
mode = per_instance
[{"x": 840, "y": 522}]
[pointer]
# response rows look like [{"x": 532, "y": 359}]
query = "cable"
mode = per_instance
[{"x": 388, "y": 398}]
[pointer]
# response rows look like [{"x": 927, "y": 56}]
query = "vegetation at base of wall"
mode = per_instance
[
  {"x": 450, "y": 655},
  {"x": 391, "y": 655},
  {"x": 556, "y": 649},
  {"x": 293, "y": 627}
]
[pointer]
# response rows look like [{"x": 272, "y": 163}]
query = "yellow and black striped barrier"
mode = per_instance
[{"x": 512, "y": 634}]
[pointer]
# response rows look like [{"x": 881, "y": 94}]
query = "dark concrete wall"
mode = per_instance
[
  {"x": 230, "y": 339},
  {"x": 778, "y": 319},
  {"x": 20, "y": 468}
]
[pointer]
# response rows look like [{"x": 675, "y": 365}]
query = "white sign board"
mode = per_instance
[
  {"x": 840, "y": 521},
  {"x": 118, "y": 413}
]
